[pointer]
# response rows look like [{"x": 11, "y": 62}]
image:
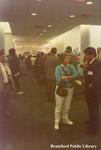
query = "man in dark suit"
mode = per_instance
[
  {"x": 15, "y": 69},
  {"x": 93, "y": 87}
]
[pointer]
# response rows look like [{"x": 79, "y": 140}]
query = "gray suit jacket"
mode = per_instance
[{"x": 50, "y": 63}]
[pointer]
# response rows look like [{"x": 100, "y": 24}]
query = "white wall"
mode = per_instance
[
  {"x": 95, "y": 36},
  {"x": 2, "y": 43},
  {"x": 70, "y": 38},
  {"x": 6, "y": 38},
  {"x": 80, "y": 37},
  {"x": 58, "y": 43},
  {"x": 8, "y": 42},
  {"x": 85, "y": 36}
]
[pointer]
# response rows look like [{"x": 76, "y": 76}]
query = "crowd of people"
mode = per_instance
[{"x": 52, "y": 70}]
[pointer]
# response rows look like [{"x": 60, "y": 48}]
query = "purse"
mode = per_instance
[{"x": 61, "y": 89}]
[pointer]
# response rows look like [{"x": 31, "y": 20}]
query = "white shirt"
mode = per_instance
[{"x": 5, "y": 72}]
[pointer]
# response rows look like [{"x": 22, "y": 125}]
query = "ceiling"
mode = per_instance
[{"x": 30, "y": 29}]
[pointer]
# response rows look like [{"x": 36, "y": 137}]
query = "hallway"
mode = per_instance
[{"x": 31, "y": 117}]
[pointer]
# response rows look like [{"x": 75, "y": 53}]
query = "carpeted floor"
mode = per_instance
[{"x": 30, "y": 119}]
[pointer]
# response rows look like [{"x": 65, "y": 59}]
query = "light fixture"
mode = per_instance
[
  {"x": 72, "y": 16},
  {"x": 38, "y": 0},
  {"x": 41, "y": 34},
  {"x": 81, "y": 1},
  {"x": 34, "y": 14},
  {"x": 49, "y": 25},
  {"x": 89, "y": 3},
  {"x": 44, "y": 30}
]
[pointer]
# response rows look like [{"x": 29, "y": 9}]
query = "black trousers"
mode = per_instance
[
  {"x": 17, "y": 83},
  {"x": 4, "y": 114},
  {"x": 51, "y": 84},
  {"x": 93, "y": 110},
  {"x": 4, "y": 98}
]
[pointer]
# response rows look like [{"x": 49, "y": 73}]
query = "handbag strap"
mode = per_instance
[{"x": 64, "y": 70}]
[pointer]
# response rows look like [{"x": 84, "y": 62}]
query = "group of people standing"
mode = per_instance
[
  {"x": 66, "y": 72},
  {"x": 64, "y": 68},
  {"x": 56, "y": 69}
]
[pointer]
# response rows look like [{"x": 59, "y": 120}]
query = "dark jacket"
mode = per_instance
[
  {"x": 13, "y": 64},
  {"x": 93, "y": 77}
]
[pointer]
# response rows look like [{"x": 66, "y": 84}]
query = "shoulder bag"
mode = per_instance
[{"x": 62, "y": 90}]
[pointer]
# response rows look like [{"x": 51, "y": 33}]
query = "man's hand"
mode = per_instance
[{"x": 17, "y": 74}]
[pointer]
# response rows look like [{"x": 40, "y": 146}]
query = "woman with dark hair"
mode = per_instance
[
  {"x": 65, "y": 73},
  {"x": 15, "y": 69}
]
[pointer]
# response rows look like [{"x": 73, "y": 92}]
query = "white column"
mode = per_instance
[
  {"x": 85, "y": 38},
  {"x": 2, "y": 43},
  {"x": 8, "y": 42}
]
